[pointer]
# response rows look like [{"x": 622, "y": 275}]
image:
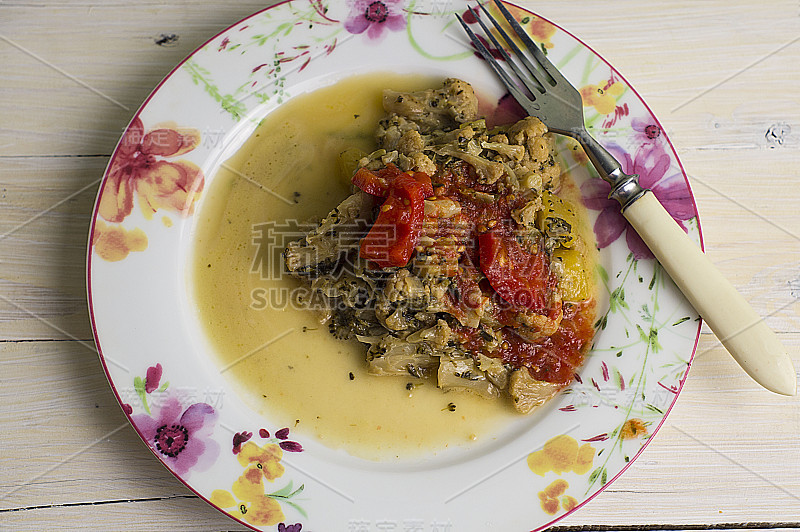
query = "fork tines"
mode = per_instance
[{"x": 537, "y": 78}]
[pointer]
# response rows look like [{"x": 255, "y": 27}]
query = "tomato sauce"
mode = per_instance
[
  {"x": 496, "y": 273},
  {"x": 550, "y": 358}
]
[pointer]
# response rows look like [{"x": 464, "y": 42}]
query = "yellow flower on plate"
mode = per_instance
[
  {"x": 633, "y": 428},
  {"x": 539, "y": 29},
  {"x": 562, "y": 454},
  {"x": 222, "y": 499},
  {"x": 249, "y": 499},
  {"x": 264, "y": 511},
  {"x": 267, "y": 459},
  {"x": 604, "y": 100},
  {"x": 553, "y": 497},
  {"x": 248, "y": 486},
  {"x": 113, "y": 242}
]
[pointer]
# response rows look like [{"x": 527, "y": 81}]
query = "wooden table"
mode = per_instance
[{"x": 721, "y": 76}]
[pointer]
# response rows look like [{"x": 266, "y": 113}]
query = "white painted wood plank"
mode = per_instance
[
  {"x": 45, "y": 209},
  {"x": 182, "y": 512}
]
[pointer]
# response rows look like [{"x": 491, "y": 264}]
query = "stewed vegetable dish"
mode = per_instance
[{"x": 457, "y": 257}]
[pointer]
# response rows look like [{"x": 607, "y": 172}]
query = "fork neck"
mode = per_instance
[{"x": 625, "y": 188}]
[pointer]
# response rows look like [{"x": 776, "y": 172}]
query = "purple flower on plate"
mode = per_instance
[
  {"x": 647, "y": 131},
  {"x": 180, "y": 437},
  {"x": 375, "y": 17},
  {"x": 652, "y": 163},
  {"x": 283, "y": 527}
]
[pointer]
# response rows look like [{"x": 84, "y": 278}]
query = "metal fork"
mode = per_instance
[{"x": 556, "y": 102}]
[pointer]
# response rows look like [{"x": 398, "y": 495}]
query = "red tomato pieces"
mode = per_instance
[
  {"x": 379, "y": 182},
  {"x": 376, "y": 183},
  {"x": 519, "y": 277},
  {"x": 393, "y": 236}
]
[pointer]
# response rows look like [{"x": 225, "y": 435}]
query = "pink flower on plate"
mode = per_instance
[
  {"x": 647, "y": 131},
  {"x": 652, "y": 163},
  {"x": 181, "y": 438},
  {"x": 153, "y": 378},
  {"x": 375, "y": 17},
  {"x": 143, "y": 164}
]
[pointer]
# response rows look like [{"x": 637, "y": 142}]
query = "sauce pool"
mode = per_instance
[{"x": 290, "y": 368}]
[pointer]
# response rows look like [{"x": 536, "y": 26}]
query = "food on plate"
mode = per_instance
[{"x": 457, "y": 257}]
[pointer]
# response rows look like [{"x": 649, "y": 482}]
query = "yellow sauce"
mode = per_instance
[{"x": 281, "y": 360}]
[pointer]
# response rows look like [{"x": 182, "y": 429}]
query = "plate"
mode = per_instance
[{"x": 275, "y": 478}]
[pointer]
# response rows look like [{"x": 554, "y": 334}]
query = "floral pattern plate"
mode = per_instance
[{"x": 263, "y": 475}]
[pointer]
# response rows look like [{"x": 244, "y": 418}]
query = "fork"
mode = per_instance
[{"x": 555, "y": 101}]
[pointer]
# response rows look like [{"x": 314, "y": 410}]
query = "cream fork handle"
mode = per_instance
[{"x": 743, "y": 332}]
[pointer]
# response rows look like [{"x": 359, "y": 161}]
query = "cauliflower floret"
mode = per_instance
[
  {"x": 410, "y": 142},
  {"x": 454, "y": 103},
  {"x": 422, "y": 163},
  {"x": 541, "y": 169},
  {"x": 488, "y": 171},
  {"x": 391, "y": 130},
  {"x": 528, "y": 128}
]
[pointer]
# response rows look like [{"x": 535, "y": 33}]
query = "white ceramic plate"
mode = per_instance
[{"x": 169, "y": 384}]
